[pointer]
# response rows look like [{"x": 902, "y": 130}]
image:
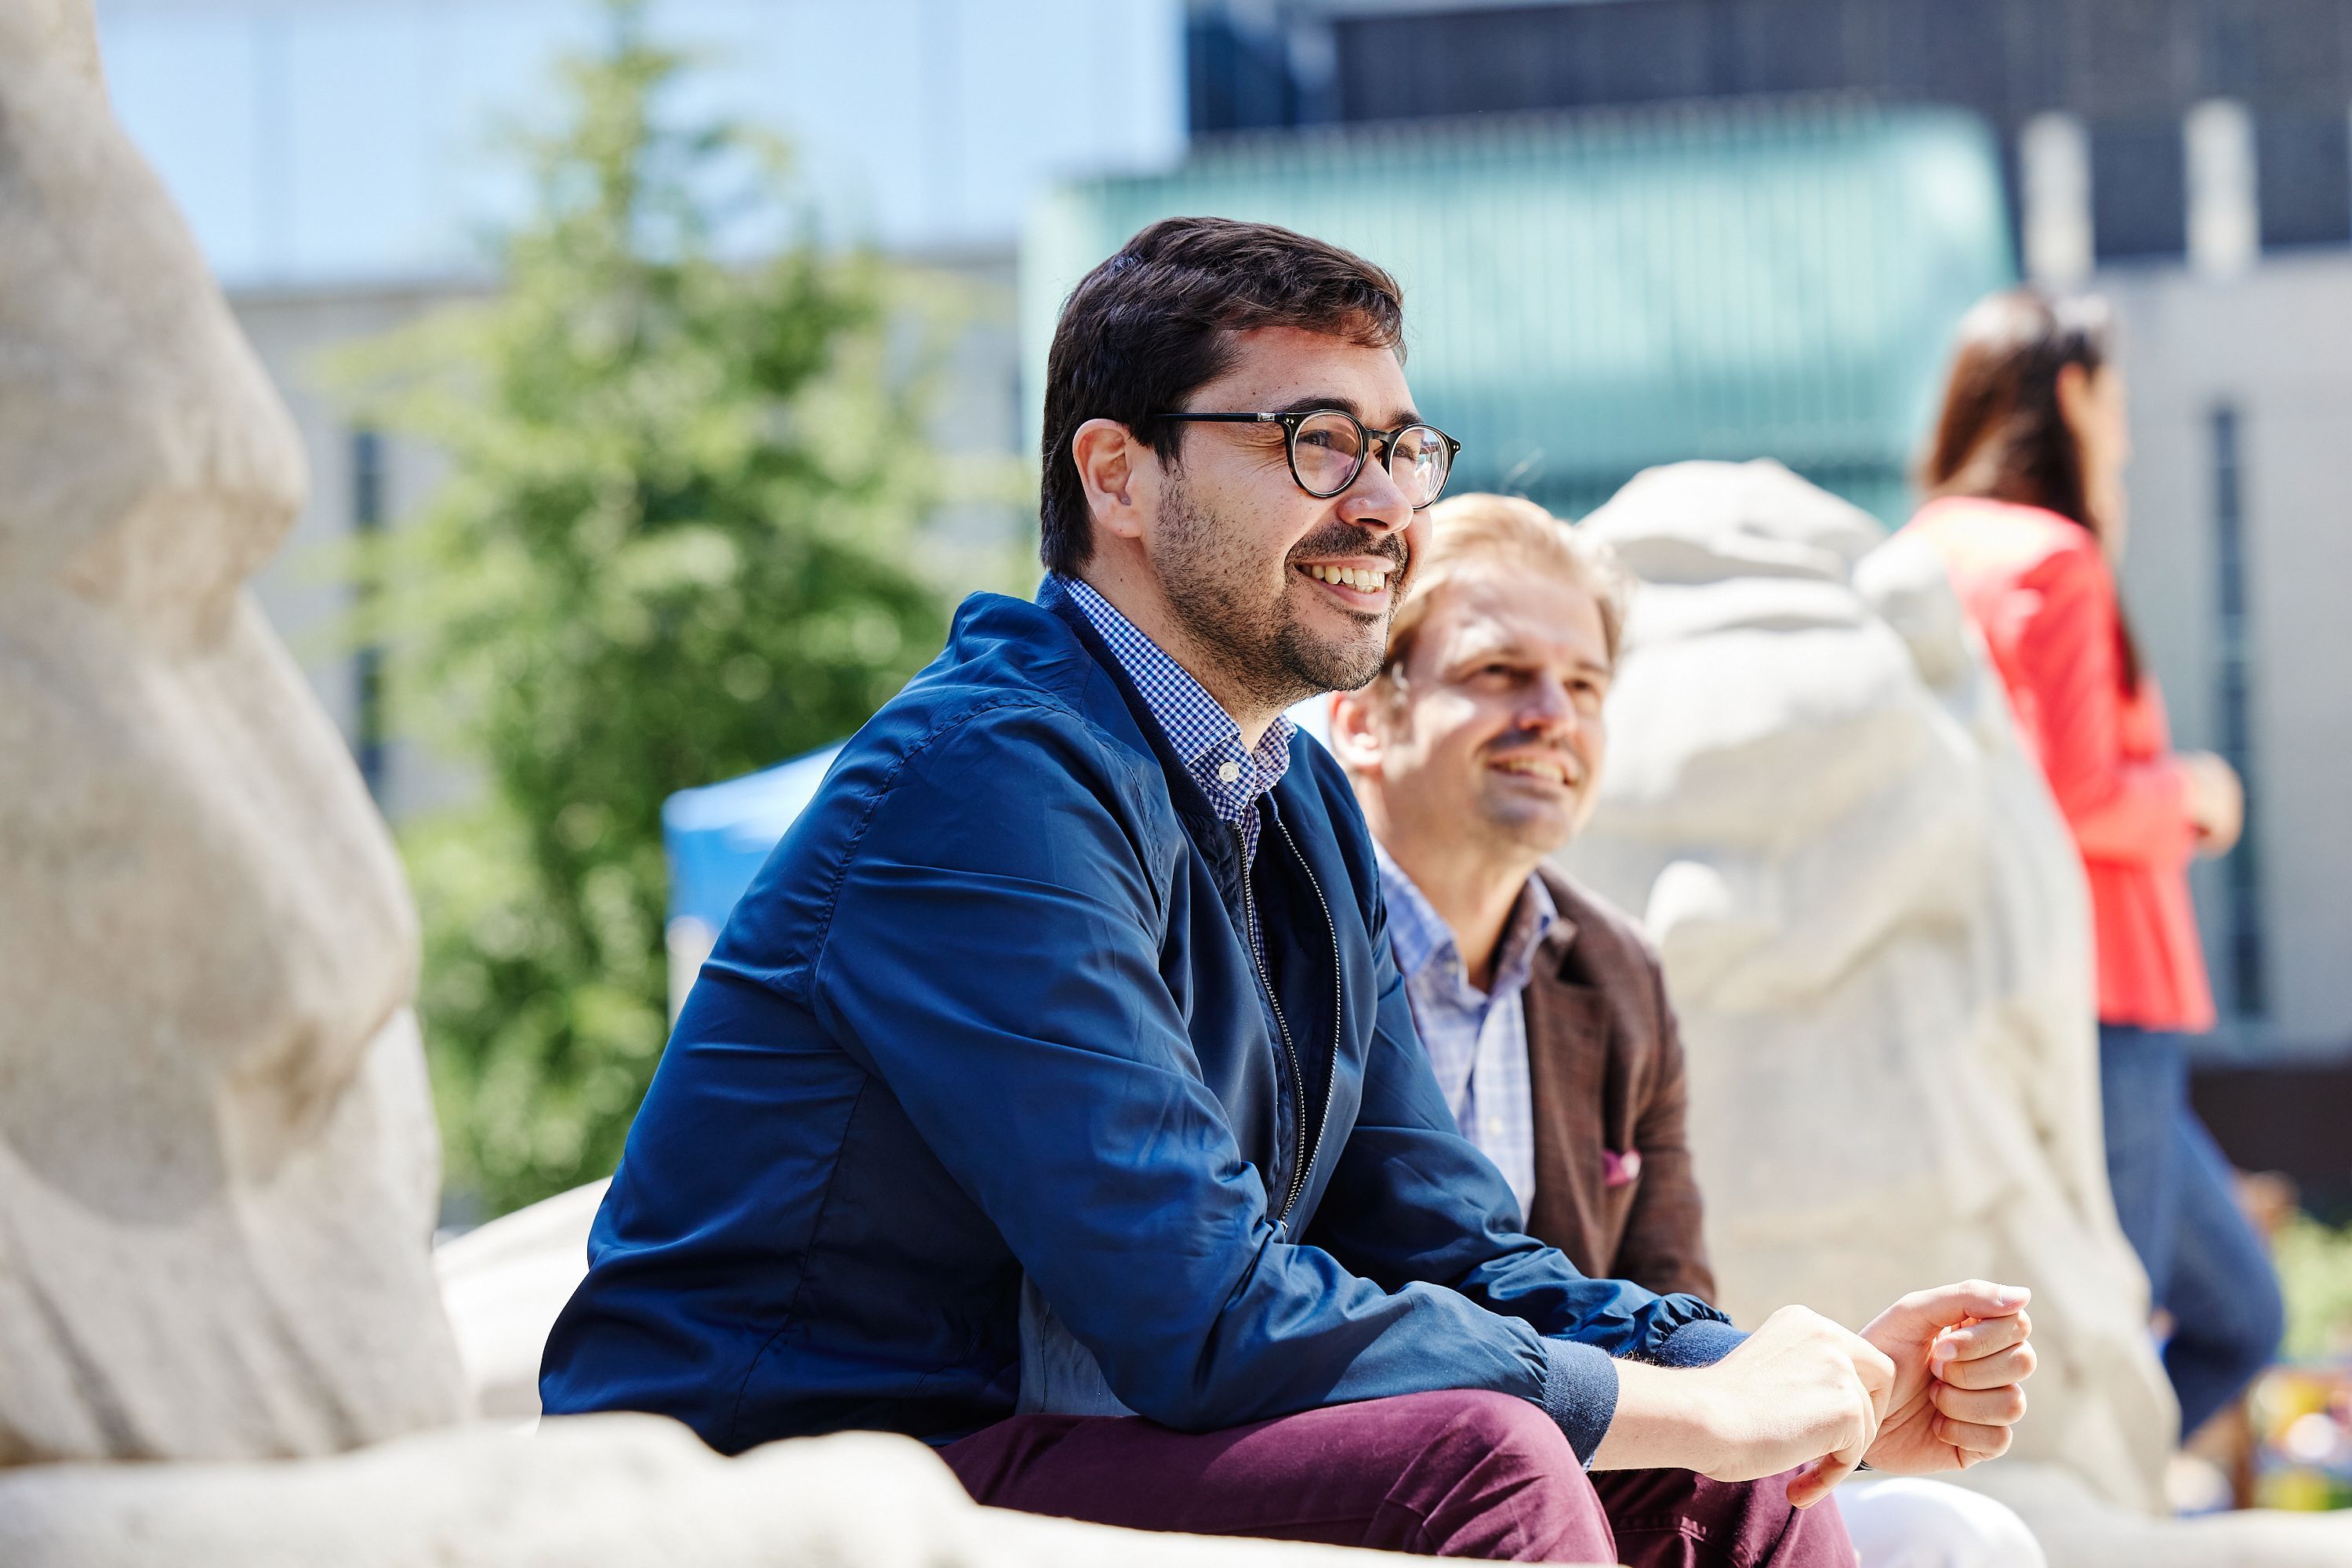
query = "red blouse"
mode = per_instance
[{"x": 2039, "y": 588}]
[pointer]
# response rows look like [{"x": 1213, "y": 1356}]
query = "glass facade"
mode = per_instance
[{"x": 2128, "y": 68}]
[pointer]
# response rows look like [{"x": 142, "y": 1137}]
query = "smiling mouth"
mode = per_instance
[
  {"x": 1360, "y": 587},
  {"x": 1549, "y": 768}
]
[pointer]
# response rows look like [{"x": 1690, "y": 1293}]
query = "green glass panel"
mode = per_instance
[{"x": 1589, "y": 295}]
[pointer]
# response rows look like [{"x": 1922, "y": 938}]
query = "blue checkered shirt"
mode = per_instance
[
  {"x": 1476, "y": 1040},
  {"x": 1203, "y": 734}
]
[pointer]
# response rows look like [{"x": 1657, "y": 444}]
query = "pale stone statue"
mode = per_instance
[
  {"x": 217, "y": 1163},
  {"x": 504, "y": 1284},
  {"x": 1877, "y": 936},
  {"x": 606, "y": 1491},
  {"x": 218, "y": 1160}
]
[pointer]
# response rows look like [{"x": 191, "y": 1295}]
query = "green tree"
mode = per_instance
[{"x": 675, "y": 544}]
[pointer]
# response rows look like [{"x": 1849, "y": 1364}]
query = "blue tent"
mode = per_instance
[{"x": 718, "y": 837}]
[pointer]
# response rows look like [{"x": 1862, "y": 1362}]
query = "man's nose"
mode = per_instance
[
  {"x": 1548, "y": 711},
  {"x": 1375, "y": 502}
]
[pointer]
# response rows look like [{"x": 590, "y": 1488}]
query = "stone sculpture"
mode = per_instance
[
  {"x": 214, "y": 1125},
  {"x": 1878, "y": 939},
  {"x": 504, "y": 1285},
  {"x": 608, "y": 1491},
  {"x": 217, "y": 1162}
]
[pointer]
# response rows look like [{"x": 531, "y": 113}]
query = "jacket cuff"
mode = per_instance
[
  {"x": 1580, "y": 1392},
  {"x": 1700, "y": 1344}
]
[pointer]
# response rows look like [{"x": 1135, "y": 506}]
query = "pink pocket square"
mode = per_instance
[{"x": 1621, "y": 1170}]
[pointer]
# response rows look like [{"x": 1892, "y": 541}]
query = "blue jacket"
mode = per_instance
[{"x": 985, "y": 1029}]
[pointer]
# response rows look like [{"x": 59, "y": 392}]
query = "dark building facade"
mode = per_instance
[
  {"x": 2129, "y": 69},
  {"x": 2190, "y": 160}
]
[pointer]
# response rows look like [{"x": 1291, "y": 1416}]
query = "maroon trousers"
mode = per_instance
[{"x": 1450, "y": 1475}]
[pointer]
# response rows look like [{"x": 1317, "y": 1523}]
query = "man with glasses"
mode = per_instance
[{"x": 1052, "y": 1095}]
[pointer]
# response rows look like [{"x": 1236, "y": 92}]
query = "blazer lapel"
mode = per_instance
[{"x": 1569, "y": 1074}]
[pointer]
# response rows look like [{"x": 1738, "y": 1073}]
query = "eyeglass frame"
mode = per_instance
[{"x": 1383, "y": 440}]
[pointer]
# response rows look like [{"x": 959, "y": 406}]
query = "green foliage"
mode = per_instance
[
  {"x": 2314, "y": 1265},
  {"x": 674, "y": 546}
]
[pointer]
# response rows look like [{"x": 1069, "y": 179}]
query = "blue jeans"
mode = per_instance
[{"x": 2205, "y": 1264}]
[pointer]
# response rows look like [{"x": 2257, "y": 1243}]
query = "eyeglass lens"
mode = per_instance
[{"x": 1328, "y": 450}]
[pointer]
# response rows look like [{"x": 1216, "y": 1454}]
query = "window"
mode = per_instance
[
  {"x": 2139, "y": 197},
  {"x": 2245, "y": 968},
  {"x": 367, "y": 663},
  {"x": 2303, "y": 160}
]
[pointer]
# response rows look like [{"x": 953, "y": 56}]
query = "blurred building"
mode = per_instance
[
  {"x": 1593, "y": 292},
  {"x": 339, "y": 161},
  {"x": 2191, "y": 159},
  {"x": 342, "y": 163}
]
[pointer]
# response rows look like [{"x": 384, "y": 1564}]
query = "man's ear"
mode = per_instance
[
  {"x": 1357, "y": 739},
  {"x": 1119, "y": 474}
]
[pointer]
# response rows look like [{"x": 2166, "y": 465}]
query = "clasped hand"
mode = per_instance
[{"x": 1930, "y": 1384}]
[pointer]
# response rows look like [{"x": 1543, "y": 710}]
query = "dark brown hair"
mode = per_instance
[
  {"x": 1148, "y": 327},
  {"x": 2002, "y": 434}
]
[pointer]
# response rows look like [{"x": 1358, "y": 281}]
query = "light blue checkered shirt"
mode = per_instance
[
  {"x": 1476, "y": 1040},
  {"x": 1202, "y": 734}
]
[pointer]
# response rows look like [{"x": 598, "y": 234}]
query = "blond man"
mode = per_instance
[{"x": 1476, "y": 753}]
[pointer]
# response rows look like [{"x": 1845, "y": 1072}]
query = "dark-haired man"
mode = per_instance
[{"x": 1052, "y": 1095}]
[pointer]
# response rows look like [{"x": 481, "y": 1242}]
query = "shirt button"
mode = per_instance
[
  {"x": 1494, "y": 1126},
  {"x": 1229, "y": 772}
]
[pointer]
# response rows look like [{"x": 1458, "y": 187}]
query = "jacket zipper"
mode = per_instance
[
  {"x": 1338, "y": 1016},
  {"x": 1306, "y": 1154}
]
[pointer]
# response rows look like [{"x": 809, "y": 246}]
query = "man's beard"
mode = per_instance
[{"x": 1260, "y": 645}]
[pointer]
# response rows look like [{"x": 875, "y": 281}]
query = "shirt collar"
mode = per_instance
[
  {"x": 1532, "y": 918},
  {"x": 1421, "y": 937},
  {"x": 1205, "y": 736}
]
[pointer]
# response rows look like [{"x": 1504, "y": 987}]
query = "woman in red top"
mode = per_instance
[{"x": 2029, "y": 518}]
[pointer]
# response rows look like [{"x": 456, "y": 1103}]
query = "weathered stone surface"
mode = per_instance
[
  {"x": 605, "y": 1491},
  {"x": 504, "y": 1284},
  {"x": 2079, "y": 1529},
  {"x": 1876, "y": 933},
  {"x": 217, "y": 1163}
]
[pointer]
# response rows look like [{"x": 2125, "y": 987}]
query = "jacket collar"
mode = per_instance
[
  {"x": 1192, "y": 804},
  {"x": 1557, "y": 947}
]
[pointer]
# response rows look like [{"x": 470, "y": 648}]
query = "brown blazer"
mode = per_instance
[{"x": 1606, "y": 1069}]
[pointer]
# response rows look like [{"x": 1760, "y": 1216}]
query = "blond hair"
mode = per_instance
[{"x": 1471, "y": 530}]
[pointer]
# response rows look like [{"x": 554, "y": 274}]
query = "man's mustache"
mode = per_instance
[{"x": 1346, "y": 541}]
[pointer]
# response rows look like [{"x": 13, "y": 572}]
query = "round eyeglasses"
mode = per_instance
[{"x": 1328, "y": 447}]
